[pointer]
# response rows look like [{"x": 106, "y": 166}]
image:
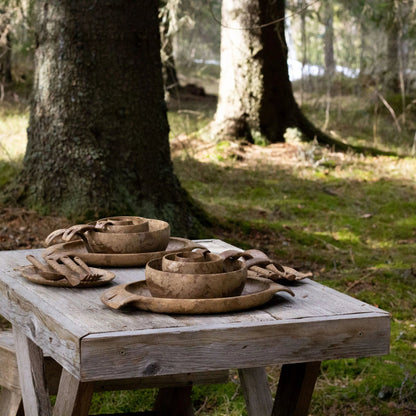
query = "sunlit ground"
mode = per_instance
[
  {"x": 347, "y": 217},
  {"x": 13, "y": 124}
]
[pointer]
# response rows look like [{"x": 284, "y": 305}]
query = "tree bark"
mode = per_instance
[
  {"x": 98, "y": 131},
  {"x": 255, "y": 92},
  {"x": 279, "y": 109},
  {"x": 241, "y": 87}
]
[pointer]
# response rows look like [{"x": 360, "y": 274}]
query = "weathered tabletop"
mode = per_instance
[{"x": 93, "y": 342}]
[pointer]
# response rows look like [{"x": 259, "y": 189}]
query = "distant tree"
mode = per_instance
[
  {"x": 255, "y": 93},
  {"x": 167, "y": 16},
  {"x": 98, "y": 130},
  {"x": 397, "y": 24},
  {"x": 180, "y": 36},
  {"x": 16, "y": 41},
  {"x": 6, "y": 60},
  {"x": 328, "y": 21},
  {"x": 391, "y": 22},
  {"x": 392, "y": 70},
  {"x": 198, "y": 34},
  {"x": 6, "y": 15}
]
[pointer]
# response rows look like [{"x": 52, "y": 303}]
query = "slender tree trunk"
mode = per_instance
[
  {"x": 363, "y": 48},
  {"x": 329, "y": 55},
  {"x": 98, "y": 131},
  {"x": 392, "y": 74},
  {"x": 304, "y": 42},
  {"x": 402, "y": 10},
  {"x": 392, "y": 78},
  {"x": 171, "y": 77},
  {"x": 5, "y": 50},
  {"x": 329, "y": 39},
  {"x": 8, "y": 60}
]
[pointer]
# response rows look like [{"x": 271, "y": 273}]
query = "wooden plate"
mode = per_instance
[
  {"x": 30, "y": 273},
  {"x": 78, "y": 248},
  {"x": 257, "y": 291}
]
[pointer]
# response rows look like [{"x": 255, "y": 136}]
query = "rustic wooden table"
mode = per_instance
[{"x": 93, "y": 342}]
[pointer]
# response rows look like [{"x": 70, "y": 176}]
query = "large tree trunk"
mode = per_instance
[
  {"x": 98, "y": 131},
  {"x": 241, "y": 86},
  {"x": 255, "y": 94}
]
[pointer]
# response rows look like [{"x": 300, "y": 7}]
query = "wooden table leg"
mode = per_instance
[
  {"x": 31, "y": 375},
  {"x": 295, "y": 389},
  {"x": 10, "y": 403},
  {"x": 256, "y": 391},
  {"x": 174, "y": 401},
  {"x": 74, "y": 397}
]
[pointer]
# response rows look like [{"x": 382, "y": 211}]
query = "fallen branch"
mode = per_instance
[{"x": 391, "y": 111}]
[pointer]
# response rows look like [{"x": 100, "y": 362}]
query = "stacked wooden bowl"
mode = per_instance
[
  {"x": 195, "y": 275},
  {"x": 119, "y": 235}
]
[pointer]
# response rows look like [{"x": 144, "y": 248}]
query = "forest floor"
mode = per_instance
[
  {"x": 348, "y": 218},
  {"x": 21, "y": 228}
]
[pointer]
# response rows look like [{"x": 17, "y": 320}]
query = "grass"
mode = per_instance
[
  {"x": 348, "y": 218},
  {"x": 13, "y": 124},
  {"x": 363, "y": 120},
  {"x": 353, "y": 225}
]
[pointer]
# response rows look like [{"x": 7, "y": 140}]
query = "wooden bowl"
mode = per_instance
[
  {"x": 192, "y": 262},
  {"x": 163, "y": 284},
  {"x": 123, "y": 224},
  {"x": 156, "y": 239}
]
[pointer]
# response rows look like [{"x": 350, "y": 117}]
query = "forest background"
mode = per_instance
[{"x": 348, "y": 217}]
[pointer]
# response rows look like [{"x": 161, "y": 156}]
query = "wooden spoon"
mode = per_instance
[{"x": 44, "y": 270}]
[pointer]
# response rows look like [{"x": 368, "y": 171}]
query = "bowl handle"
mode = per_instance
[
  {"x": 67, "y": 234},
  {"x": 117, "y": 297}
]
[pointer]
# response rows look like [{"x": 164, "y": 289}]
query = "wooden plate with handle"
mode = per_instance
[{"x": 256, "y": 292}]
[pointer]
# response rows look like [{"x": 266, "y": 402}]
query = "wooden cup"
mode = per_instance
[
  {"x": 192, "y": 262},
  {"x": 123, "y": 224}
]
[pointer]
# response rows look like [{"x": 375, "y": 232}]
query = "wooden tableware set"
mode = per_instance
[
  {"x": 118, "y": 235},
  {"x": 180, "y": 276},
  {"x": 112, "y": 236}
]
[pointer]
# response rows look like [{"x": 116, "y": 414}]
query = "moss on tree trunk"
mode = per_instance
[{"x": 98, "y": 132}]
